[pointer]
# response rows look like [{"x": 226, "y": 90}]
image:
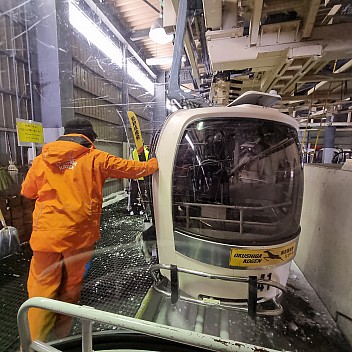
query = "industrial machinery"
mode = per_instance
[{"x": 227, "y": 201}]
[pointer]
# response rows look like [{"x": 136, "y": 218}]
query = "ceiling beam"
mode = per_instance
[
  {"x": 306, "y": 105},
  {"x": 272, "y": 76},
  {"x": 325, "y": 95},
  {"x": 332, "y": 77},
  {"x": 255, "y": 21},
  {"x": 152, "y": 6},
  {"x": 309, "y": 19},
  {"x": 343, "y": 68},
  {"x": 144, "y": 22},
  {"x": 275, "y": 6},
  {"x": 306, "y": 67}
]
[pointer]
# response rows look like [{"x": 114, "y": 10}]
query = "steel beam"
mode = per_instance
[
  {"x": 325, "y": 95},
  {"x": 237, "y": 53},
  {"x": 55, "y": 79},
  {"x": 343, "y": 68},
  {"x": 255, "y": 22},
  {"x": 309, "y": 18},
  {"x": 272, "y": 76},
  {"x": 331, "y": 77},
  {"x": 212, "y": 14},
  {"x": 274, "y": 6},
  {"x": 310, "y": 63}
]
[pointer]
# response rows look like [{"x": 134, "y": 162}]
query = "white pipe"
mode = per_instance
[
  {"x": 187, "y": 337},
  {"x": 43, "y": 347},
  {"x": 175, "y": 91}
]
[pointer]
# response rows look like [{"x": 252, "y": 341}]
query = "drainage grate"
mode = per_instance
[
  {"x": 13, "y": 292},
  {"x": 118, "y": 278},
  {"x": 116, "y": 281}
]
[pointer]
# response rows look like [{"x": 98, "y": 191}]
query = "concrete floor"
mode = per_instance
[{"x": 305, "y": 325}]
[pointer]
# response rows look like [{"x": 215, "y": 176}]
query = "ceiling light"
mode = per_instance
[
  {"x": 97, "y": 37},
  {"x": 157, "y": 33},
  {"x": 140, "y": 77},
  {"x": 154, "y": 61},
  {"x": 94, "y": 34}
]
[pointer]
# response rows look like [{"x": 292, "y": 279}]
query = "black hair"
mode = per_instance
[{"x": 81, "y": 126}]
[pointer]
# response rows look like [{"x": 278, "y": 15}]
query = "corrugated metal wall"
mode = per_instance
[
  {"x": 97, "y": 91},
  {"x": 15, "y": 99}
]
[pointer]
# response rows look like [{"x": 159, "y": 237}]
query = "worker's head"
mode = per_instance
[{"x": 80, "y": 126}]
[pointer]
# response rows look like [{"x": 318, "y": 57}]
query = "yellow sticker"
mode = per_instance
[
  {"x": 29, "y": 131},
  {"x": 262, "y": 257}
]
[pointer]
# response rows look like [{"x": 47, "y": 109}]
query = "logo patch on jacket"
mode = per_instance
[{"x": 70, "y": 165}]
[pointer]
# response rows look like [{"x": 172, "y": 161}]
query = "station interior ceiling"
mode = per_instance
[{"x": 300, "y": 49}]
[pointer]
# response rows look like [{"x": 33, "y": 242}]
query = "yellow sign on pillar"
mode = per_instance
[{"x": 28, "y": 132}]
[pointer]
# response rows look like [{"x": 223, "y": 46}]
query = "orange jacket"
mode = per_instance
[{"x": 67, "y": 180}]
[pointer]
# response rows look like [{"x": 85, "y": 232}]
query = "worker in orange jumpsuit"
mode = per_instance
[{"x": 67, "y": 180}]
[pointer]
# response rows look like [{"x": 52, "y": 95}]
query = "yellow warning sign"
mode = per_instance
[
  {"x": 262, "y": 257},
  {"x": 29, "y": 132}
]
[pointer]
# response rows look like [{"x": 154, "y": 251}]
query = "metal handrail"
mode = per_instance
[
  {"x": 241, "y": 209},
  {"x": 89, "y": 314}
]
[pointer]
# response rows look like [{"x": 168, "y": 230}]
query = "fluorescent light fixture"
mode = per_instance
[
  {"x": 134, "y": 71},
  {"x": 157, "y": 33},
  {"x": 154, "y": 61},
  {"x": 95, "y": 35}
]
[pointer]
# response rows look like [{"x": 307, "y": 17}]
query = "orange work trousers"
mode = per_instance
[{"x": 57, "y": 276}]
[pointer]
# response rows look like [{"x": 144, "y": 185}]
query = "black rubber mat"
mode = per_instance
[
  {"x": 116, "y": 281},
  {"x": 13, "y": 292},
  {"x": 118, "y": 278}
]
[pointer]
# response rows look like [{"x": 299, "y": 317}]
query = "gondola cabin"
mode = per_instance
[{"x": 227, "y": 198}]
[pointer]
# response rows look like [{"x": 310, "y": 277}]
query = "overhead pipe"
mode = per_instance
[{"x": 175, "y": 92}]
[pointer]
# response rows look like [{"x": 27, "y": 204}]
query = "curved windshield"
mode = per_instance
[{"x": 238, "y": 180}]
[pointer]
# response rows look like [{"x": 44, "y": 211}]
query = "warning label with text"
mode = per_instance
[
  {"x": 29, "y": 132},
  {"x": 262, "y": 257}
]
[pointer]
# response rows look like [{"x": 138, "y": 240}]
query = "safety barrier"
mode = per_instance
[{"x": 87, "y": 315}]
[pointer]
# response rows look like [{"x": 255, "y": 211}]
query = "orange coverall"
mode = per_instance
[{"x": 67, "y": 180}]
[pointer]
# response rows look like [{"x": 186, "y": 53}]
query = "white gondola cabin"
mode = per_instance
[{"x": 227, "y": 199}]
